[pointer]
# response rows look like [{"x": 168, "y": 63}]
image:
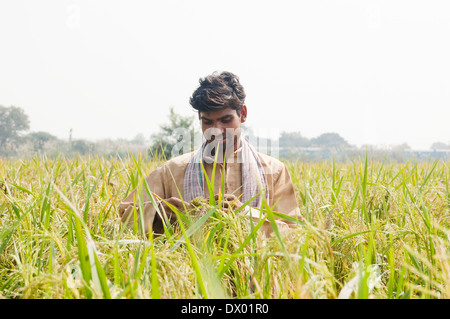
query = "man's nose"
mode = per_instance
[
  {"x": 219, "y": 126},
  {"x": 213, "y": 131}
]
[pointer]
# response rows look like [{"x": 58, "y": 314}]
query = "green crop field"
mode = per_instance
[{"x": 370, "y": 230}]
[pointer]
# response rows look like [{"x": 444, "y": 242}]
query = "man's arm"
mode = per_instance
[
  {"x": 129, "y": 211},
  {"x": 284, "y": 195},
  {"x": 286, "y": 203}
]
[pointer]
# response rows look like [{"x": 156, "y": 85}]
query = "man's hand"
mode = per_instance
[
  {"x": 230, "y": 201},
  {"x": 171, "y": 216},
  {"x": 178, "y": 203}
]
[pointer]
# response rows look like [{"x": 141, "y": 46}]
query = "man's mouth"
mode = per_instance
[{"x": 218, "y": 140}]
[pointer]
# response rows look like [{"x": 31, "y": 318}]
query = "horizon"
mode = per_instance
[
  {"x": 374, "y": 72},
  {"x": 255, "y": 139}
]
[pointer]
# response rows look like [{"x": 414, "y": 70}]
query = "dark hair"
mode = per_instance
[{"x": 218, "y": 91}]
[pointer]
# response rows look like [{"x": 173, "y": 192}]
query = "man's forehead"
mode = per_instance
[{"x": 218, "y": 114}]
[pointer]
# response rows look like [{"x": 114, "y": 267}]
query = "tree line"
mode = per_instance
[{"x": 15, "y": 140}]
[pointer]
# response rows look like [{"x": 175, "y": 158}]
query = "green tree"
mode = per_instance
[
  {"x": 82, "y": 147},
  {"x": 401, "y": 147},
  {"x": 330, "y": 140},
  {"x": 179, "y": 132},
  {"x": 439, "y": 146},
  {"x": 13, "y": 121},
  {"x": 139, "y": 139},
  {"x": 293, "y": 139},
  {"x": 39, "y": 139}
]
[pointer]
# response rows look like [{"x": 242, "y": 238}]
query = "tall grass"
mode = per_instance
[{"x": 370, "y": 230}]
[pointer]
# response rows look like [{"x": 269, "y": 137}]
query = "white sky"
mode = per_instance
[{"x": 376, "y": 72}]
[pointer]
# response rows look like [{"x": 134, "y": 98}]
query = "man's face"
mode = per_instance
[{"x": 223, "y": 125}]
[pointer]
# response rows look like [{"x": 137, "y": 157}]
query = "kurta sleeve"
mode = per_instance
[
  {"x": 129, "y": 208},
  {"x": 284, "y": 195}
]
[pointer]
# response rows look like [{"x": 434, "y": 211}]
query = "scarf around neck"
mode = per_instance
[{"x": 253, "y": 178}]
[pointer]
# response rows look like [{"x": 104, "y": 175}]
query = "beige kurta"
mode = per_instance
[{"x": 165, "y": 179}]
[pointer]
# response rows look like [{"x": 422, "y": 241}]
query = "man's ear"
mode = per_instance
[{"x": 243, "y": 113}]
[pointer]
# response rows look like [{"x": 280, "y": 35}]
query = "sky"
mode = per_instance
[{"x": 375, "y": 72}]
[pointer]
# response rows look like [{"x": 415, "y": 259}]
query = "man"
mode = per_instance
[{"x": 220, "y": 102}]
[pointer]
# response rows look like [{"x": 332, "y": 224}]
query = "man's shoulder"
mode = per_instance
[
  {"x": 180, "y": 160},
  {"x": 270, "y": 159},
  {"x": 271, "y": 164},
  {"x": 178, "y": 163},
  {"x": 176, "y": 166}
]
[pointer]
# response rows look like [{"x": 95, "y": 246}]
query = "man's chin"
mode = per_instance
[
  {"x": 218, "y": 145},
  {"x": 223, "y": 143},
  {"x": 217, "y": 142}
]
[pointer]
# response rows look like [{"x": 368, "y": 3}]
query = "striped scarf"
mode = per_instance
[{"x": 253, "y": 178}]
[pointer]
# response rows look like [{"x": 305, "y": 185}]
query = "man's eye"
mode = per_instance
[
  {"x": 226, "y": 121},
  {"x": 207, "y": 122}
]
